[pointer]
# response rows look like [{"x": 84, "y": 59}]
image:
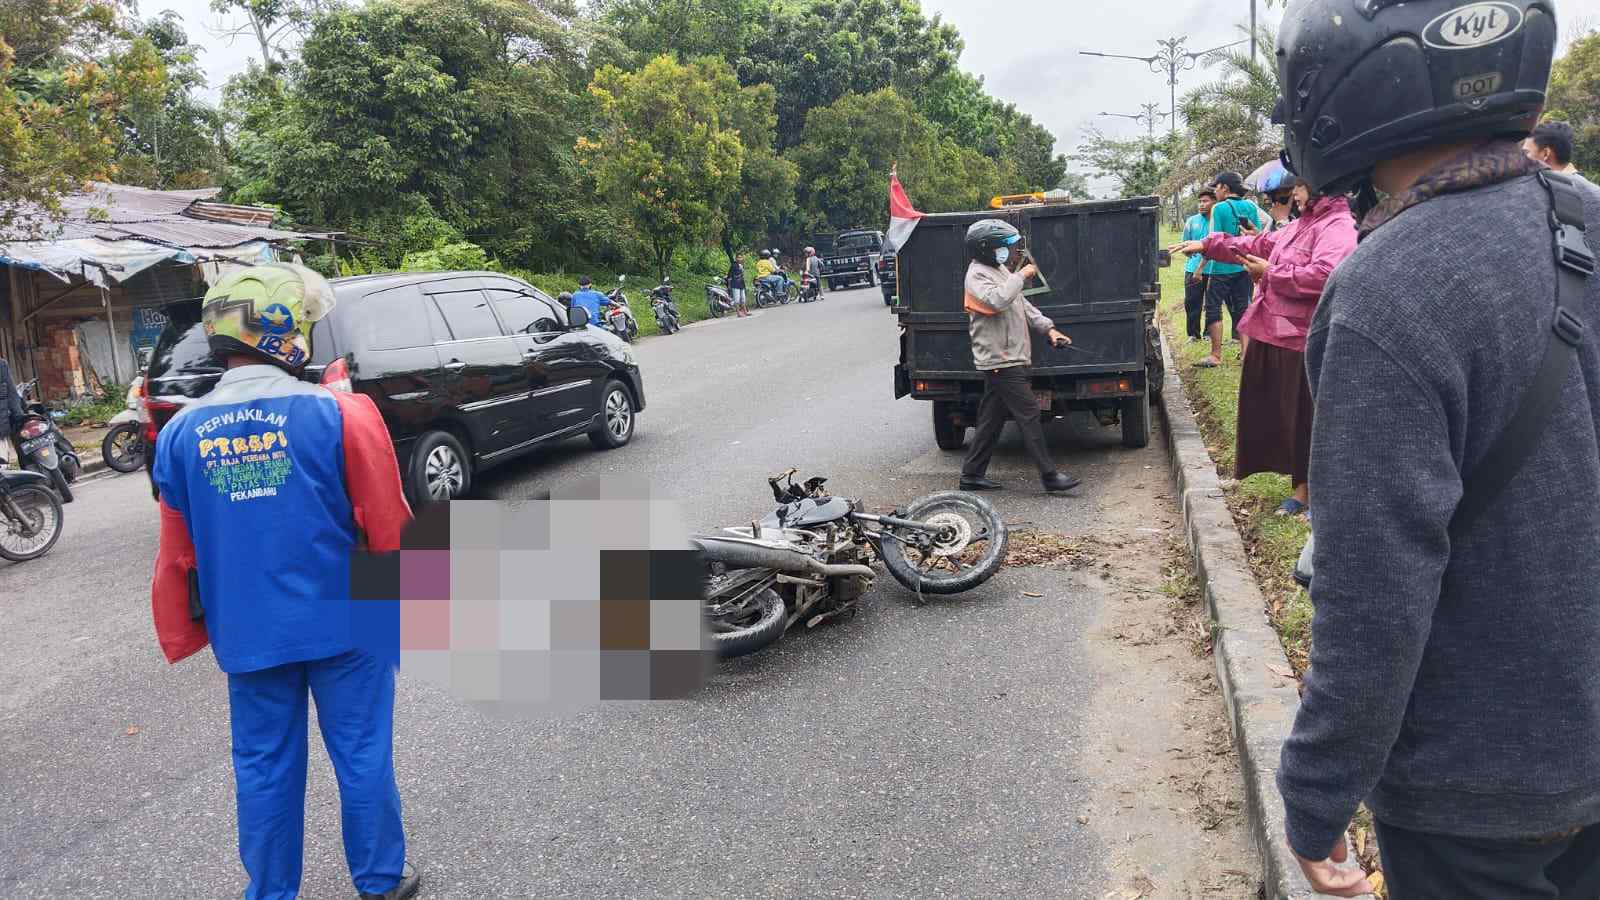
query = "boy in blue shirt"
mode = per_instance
[
  {"x": 590, "y": 299},
  {"x": 1197, "y": 268},
  {"x": 1227, "y": 284}
]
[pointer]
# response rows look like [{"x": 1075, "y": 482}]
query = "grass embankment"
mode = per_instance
[{"x": 1272, "y": 542}]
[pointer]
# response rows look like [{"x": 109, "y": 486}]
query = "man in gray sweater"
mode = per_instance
[{"x": 1455, "y": 671}]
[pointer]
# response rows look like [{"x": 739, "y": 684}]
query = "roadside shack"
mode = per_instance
[{"x": 82, "y": 289}]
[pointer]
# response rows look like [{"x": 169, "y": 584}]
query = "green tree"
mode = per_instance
[
  {"x": 172, "y": 139},
  {"x": 850, "y": 147},
  {"x": 764, "y": 202},
  {"x": 664, "y": 149},
  {"x": 1139, "y": 166},
  {"x": 1575, "y": 98},
  {"x": 1229, "y": 120},
  {"x": 464, "y": 114},
  {"x": 69, "y": 72}
]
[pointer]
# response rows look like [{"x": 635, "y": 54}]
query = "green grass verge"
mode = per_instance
[{"x": 1273, "y": 542}]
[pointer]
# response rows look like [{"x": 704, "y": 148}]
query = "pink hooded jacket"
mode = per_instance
[{"x": 1300, "y": 256}]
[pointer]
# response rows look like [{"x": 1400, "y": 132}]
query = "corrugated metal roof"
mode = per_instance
[{"x": 188, "y": 219}]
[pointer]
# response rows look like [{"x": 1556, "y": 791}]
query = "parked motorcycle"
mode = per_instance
[
  {"x": 666, "y": 311},
  {"x": 617, "y": 317},
  {"x": 811, "y": 559},
  {"x": 718, "y": 301},
  {"x": 43, "y": 447},
  {"x": 123, "y": 446},
  {"x": 810, "y": 288},
  {"x": 30, "y": 515}
]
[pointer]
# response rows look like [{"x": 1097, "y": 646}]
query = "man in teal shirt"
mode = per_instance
[
  {"x": 1227, "y": 284},
  {"x": 1196, "y": 269}
]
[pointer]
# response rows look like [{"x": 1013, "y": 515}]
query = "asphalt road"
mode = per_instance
[{"x": 914, "y": 751}]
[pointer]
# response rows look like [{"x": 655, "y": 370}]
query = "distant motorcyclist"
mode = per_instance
[
  {"x": 768, "y": 272},
  {"x": 813, "y": 269}
]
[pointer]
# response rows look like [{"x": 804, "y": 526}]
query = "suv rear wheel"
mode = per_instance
[
  {"x": 616, "y": 418},
  {"x": 441, "y": 469}
]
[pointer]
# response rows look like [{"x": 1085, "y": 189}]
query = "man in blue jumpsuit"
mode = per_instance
[{"x": 268, "y": 487}]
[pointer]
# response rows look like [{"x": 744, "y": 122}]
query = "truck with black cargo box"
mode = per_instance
[{"x": 1099, "y": 283}]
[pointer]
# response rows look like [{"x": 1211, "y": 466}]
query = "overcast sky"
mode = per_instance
[{"x": 1026, "y": 50}]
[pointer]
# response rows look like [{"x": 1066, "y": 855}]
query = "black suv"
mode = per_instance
[
  {"x": 853, "y": 259},
  {"x": 888, "y": 276},
  {"x": 469, "y": 369}
]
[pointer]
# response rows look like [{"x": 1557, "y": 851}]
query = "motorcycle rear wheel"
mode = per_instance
[
  {"x": 768, "y": 621},
  {"x": 123, "y": 448},
  {"x": 974, "y": 552},
  {"x": 33, "y": 514}
]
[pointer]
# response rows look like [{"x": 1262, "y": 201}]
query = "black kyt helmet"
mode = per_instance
[
  {"x": 1369, "y": 80},
  {"x": 985, "y": 237}
]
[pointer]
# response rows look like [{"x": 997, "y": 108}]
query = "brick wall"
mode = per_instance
[{"x": 59, "y": 367}]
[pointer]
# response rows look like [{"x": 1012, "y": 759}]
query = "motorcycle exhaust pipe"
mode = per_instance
[{"x": 740, "y": 553}]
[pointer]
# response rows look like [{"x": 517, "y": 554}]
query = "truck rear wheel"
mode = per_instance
[
  {"x": 946, "y": 432},
  {"x": 1136, "y": 421}
]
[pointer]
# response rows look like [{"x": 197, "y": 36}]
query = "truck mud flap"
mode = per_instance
[{"x": 902, "y": 381}]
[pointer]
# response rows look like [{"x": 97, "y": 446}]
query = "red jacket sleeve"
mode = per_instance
[
  {"x": 372, "y": 474},
  {"x": 179, "y": 635}
]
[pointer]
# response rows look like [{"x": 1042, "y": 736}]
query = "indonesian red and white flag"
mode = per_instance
[{"x": 903, "y": 218}]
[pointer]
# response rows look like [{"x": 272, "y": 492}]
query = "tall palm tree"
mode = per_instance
[{"x": 1229, "y": 121}]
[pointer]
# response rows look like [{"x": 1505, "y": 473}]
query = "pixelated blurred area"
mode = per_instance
[{"x": 585, "y": 596}]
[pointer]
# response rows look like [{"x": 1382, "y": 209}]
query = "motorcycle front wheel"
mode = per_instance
[
  {"x": 758, "y": 622},
  {"x": 122, "y": 448},
  {"x": 968, "y": 548},
  {"x": 30, "y": 522}
]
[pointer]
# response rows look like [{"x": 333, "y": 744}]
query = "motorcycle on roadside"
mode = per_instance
[
  {"x": 810, "y": 288},
  {"x": 123, "y": 446},
  {"x": 30, "y": 515},
  {"x": 666, "y": 311},
  {"x": 44, "y": 449},
  {"x": 719, "y": 302},
  {"x": 811, "y": 559},
  {"x": 617, "y": 317}
]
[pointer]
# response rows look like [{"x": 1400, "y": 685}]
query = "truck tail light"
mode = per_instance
[
  {"x": 336, "y": 377},
  {"x": 1110, "y": 386},
  {"x": 934, "y": 387}
]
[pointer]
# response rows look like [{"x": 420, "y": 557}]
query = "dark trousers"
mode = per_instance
[
  {"x": 1194, "y": 304},
  {"x": 1230, "y": 291},
  {"x": 1008, "y": 394},
  {"x": 1419, "y": 866}
]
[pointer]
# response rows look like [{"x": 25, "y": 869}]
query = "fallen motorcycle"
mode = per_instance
[{"x": 811, "y": 559}]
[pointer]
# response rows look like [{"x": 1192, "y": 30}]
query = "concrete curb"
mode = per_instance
[{"x": 1261, "y": 703}]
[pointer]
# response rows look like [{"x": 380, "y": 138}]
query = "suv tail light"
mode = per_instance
[
  {"x": 157, "y": 412},
  {"x": 336, "y": 377}
]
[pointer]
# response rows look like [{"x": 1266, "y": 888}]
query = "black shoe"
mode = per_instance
[
  {"x": 410, "y": 881},
  {"x": 1059, "y": 481},
  {"x": 980, "y": 483}
]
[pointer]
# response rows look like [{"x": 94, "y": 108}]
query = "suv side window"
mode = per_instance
[
  {"x": 468, "y": 314},
  {"x": 395, "y": 320},
  {"x": 516, "y": 309}
]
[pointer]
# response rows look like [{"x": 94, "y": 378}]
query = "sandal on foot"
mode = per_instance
[{"x": 1291, "y": 507}]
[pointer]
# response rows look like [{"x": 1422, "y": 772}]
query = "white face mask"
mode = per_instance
[{"x": 1002, "y": 254}]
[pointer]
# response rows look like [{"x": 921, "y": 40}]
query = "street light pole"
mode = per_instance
[
  {"x": 1252, "y": 30},
  {"x": 1149, "y": 117},
  {"x": 1171, "y": 59}
]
